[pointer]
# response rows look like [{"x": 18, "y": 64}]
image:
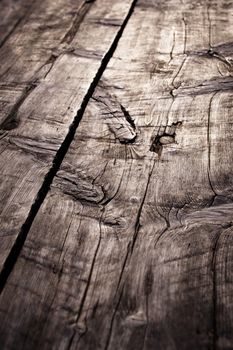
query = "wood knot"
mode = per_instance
[
  {"x": 165, "y": 136},
  {"x": 166, "y": 139},
  {"x": 211, "y": 52},
  {"x": 11, "y": 122}
]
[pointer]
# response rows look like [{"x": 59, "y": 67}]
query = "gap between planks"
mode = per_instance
[{"x": 19, "y": 242}]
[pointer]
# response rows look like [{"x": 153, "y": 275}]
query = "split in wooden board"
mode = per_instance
[
  {"x": 131, "y": 248},
  {"x": 48, "y": 65}
]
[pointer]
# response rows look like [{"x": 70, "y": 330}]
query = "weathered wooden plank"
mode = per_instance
[
  {"x": 12, "y": 13},
  {"x": 131, "y": 248},
  {"x": 37, "y": 36},
  {"x": 31, "y": 44},
  {"x": 37, "y": 125}
]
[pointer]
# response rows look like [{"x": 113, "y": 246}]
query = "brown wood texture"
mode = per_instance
[
  {"x": 48, "y": 64},
  {"x": 132, "y": 246}
]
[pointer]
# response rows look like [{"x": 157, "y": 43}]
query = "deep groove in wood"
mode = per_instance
[
  {"x": 18, "y": 245},
  {"x": 69, "y": 36}
]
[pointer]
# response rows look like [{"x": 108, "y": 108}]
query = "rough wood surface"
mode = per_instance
[
  {"x": 48, "y": 65},
  {"x": 12, "y": 13},
  {"x": 132, "y": 247}
]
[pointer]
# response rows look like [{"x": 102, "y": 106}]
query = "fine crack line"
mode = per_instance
[
  {"x": 174, "y": 87},
  {"x": 209, "y": 149},
  {"x": 215, "y": 289},
  {"x": 137, "y": 227},
  {"x": 19, "y": 242},
  {"x": 172, "y": 48},
  {"x": 213, "y": 263},
  {"x": 185, "y": 34},
  {"x": 213, "y": 267},
  {"x": 209, "y": 25},
  {"x": 129, "y": 253},
  {"x": 112, "y": 320},
  {"x": 88, "y": 281}
]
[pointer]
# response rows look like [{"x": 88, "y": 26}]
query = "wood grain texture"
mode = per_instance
[
  {"x": 46, "y": 89},
  {"x": 12, "y": 13},
  {"x": 132, "y": 246},
  {"x": 32, "y": 32}
]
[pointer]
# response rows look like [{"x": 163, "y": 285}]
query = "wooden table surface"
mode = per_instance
[{"x": 116, "y": 174}]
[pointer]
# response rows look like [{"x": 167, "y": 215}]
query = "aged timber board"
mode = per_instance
[
  {"x": 132, "y": 246},
  {"x": 60, "y": 60}
]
